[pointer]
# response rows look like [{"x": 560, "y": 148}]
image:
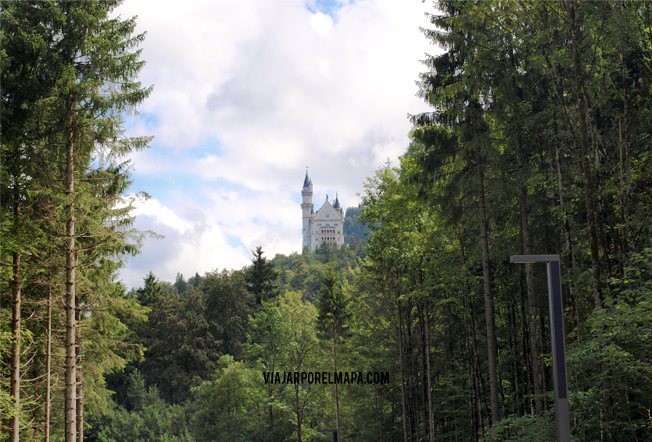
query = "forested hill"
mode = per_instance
[
  {"x": 209, "y": 340},
  {"x": 355, "y": 232}
]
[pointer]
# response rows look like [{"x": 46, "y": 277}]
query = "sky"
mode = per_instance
[{"x": 246, "y": 95}]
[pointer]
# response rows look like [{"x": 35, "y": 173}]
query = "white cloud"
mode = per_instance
[
  {"x": 321, "y": 23},
  {"x": 280, "y": 88}
]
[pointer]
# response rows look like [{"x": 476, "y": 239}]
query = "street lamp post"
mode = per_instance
[
  {"x": 335, "y": 435},
  {"x": 557, "y": 339}
]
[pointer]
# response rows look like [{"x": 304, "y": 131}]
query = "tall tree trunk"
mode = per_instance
[
  {"x": 474, "y": 397},
  {"x": 271, "y": 417},
  {"x": 625, "y": 140},
  {"x": 424, "y": 368},
  {"x": 79, "y": 389},
  {"x": 431, "y": 418},
  {"x": 337, "y": 402},
  {"x": 410, "y": 370},
  {"x": 71, "y": 362},
  {"x": 527, "y": 368},
  {"x": 296, "y": 396},
  {"x": 402, "y": 368},
  {"x": 525, "y": 237},
  {"x": 488, "y": 297},
  {"x": 585, "y": 153},
  {"x": 513, "y": 337},
  {"x": 568, "y": 238},
  {"x": 14, "y": 435},
  {"x": 48, "y": 368},
  {"x": 272, "y": 366}
]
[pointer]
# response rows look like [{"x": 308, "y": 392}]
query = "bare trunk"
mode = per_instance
[
  {"x": 525, "y": 237},
  {"x": 270, "y": 387},
  {"x": 585, "y": 153},
  {"x": 488, "y": 298},
  {"x": 424, "y": 369},
  {"x": 14, "y": 424},
  {"x": 431, "y": 417},
  {"x": 79, "y": 389},
  {"x": 48, "y": 368},
  {"x": 296, "y": 396},
  {"x": 402, "y": 368},
  {"x": 474, "y": 397},
  {"x": 337, "y": 402},
  {"x": 410, "y": 369},
  {"x": 71, "y": 362},
  {"x": 568, "y": 239},
  {"x": 15, "y": 353},
  {"x": 625, "y": 140},
  {"x": 271, "y": 415}
]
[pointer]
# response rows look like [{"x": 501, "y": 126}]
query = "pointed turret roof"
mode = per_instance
[
  {"x": 336, "y": 205},
  {"x": 307, "y": 181}
]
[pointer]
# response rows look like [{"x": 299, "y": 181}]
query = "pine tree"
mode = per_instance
[
  {"x": 261, "y": 277},
  {"x": 70, "y": 76},
  {"x": 332, "y": 321}
]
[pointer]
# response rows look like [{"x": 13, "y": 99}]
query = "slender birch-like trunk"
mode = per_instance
[
  {"x": 488, "y": 297},
  {"x": 431, "y": 417},
  {"x": 71, "y": 360},
  {"x": 79, "y": 389},
  {"x": 14, "y": 426},
  {"x": 402, "y": 368},
  {"x": 48, "y": 368}
]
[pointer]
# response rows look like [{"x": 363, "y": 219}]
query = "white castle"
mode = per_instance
[{"x": 324, "y": 227}]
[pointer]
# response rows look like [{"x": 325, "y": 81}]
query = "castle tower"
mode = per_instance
[
  {"x": 307, "y": 209},
  {"x": 336, "y": 205}
]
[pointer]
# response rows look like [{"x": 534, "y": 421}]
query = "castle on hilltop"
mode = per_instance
[{"x": 326, "y": 226}]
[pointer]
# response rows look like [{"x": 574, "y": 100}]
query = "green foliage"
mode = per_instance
[
  {"x": 542, "y": 109},
  {"x": 261, "y": 277},
  {"x": 69, "y": 74},
  {"x": 181, "y": 351},
  {"x": 614, "y": 361},
  {"x": 151, "y": 420},
  {"x": 228, "y": 306},
  {"x": 229, "y": 408},
  {"x": 524, "y": 429},
  {"x": 332, "y": 307},
  {"x": 181, "y": 285},
  {"x": 355, "y": 232}
]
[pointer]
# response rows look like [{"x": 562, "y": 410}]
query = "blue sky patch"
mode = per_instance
[
  {"x": 328, "y": 7},
  {"x": 170, "y": 187},
  {"x": 234, "y": 241},
  {"x": 211, "y": 146}
]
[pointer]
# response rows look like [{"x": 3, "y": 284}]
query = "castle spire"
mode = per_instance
[{"x": 306, "y": 180}]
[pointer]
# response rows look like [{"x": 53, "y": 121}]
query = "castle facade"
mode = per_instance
[{"x": 326, "y": 226}]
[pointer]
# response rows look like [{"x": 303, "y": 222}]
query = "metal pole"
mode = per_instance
[{"x": 557, "y": 339}]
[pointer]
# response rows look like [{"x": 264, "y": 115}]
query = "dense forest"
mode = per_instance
[{"x": 538, "y": 142}]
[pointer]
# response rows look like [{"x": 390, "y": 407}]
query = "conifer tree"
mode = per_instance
[
  {"x": 71, "y": 75},
  {"x": 261, "y": 277},
  {"x": 332, "y": 321}
]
